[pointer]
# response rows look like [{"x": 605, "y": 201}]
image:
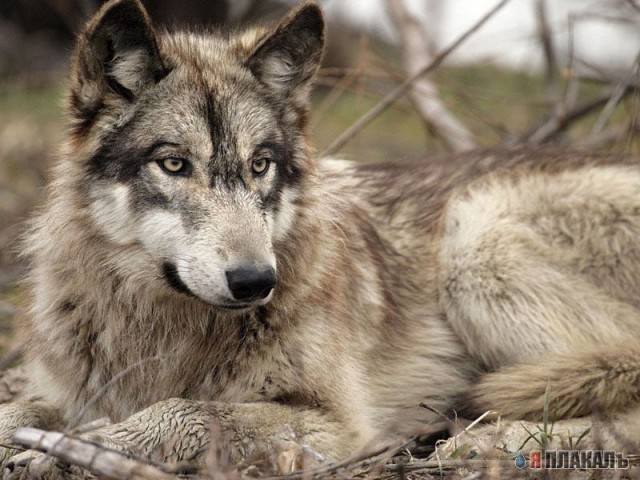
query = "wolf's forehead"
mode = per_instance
[
  {"x": 207, "y": 117},
  {"x": 207, "y": 54},
  {"x": 209, "y": 101}
]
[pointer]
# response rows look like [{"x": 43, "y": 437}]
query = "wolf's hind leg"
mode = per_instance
[
  {"x": 542, "y": 263},
  {"x": 539, "y": 325},
  {"x": 540, "y": 291},
  {"x": 510, "y": 303}
]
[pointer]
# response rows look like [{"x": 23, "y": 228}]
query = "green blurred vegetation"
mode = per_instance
[{"x": 41, "y": 104}]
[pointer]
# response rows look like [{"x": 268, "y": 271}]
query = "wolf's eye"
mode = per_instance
[
  {"x": 260, "y": 166},
  {"x": 174, "y": 166}
]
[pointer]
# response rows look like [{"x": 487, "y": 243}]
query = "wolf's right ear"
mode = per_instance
[
  {"x": 289, "y": 57},
  {"x": 116, "y": 54}
]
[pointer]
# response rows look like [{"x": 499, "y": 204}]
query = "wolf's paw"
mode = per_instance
[
  {"x": 34, "y": 465},
  {"x": 21, "y": 414},
  {"x": 289, "y": 457},
  {"x": 7, "y": 450}
]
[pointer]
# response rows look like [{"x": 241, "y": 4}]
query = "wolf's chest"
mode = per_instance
[{"x": 244, "y": 369}]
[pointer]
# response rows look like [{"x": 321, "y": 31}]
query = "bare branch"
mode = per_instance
[
  {"x": 96, "y": 459},
  {"x": 551, "y": 62},
  {"x": 618, "y": 94},
  {"x": 423, "y": 92},
  {"x": 560, "y": 122},
  {"x": 565, "y": 111},
  {"x": 399, "y": 91},
  {"x": 604, "y": 138}
]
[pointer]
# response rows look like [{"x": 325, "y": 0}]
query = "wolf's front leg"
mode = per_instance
[{"x": 178, "y": 430}]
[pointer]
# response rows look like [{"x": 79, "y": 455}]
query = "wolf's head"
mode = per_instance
[{"x": 191, "y": 147}]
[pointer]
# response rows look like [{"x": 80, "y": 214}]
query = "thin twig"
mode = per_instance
[
  {"x": 371, "y": 92},
  {"x": 399, "y": 91},
  {"x": 446, "y": 464},
  {"x": 614, "y": 18}
]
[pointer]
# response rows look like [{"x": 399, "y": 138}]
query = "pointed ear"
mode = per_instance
[
  {"x": 290, "y": 56},
  {"x": 116, "y": 54}
]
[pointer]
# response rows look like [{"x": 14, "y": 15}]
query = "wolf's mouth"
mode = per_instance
[{"x": 170, "y": 272}]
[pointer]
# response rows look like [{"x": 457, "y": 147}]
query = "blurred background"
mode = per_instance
[{"x": 537, "y": 72}]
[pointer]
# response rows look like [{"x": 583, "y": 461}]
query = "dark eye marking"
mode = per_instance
[{"x": 265, "y": 154}]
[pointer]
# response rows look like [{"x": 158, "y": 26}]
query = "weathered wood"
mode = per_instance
[{"x": 98, "y": 460}]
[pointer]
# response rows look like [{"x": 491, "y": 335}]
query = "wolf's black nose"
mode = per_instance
[{"x": 250, "y": 283}]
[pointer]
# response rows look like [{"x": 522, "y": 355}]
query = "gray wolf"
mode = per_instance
[{"x": 194, "y": 265}]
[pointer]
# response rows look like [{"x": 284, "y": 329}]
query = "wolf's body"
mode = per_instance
[{"x": 396, "y": 284}]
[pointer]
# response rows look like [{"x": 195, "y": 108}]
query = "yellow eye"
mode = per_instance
[
  {"x": 174, "y": 165},
  {"x": 260, "y": 166}
]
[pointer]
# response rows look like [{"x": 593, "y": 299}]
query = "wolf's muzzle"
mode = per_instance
[{"x": 248, "y": 284}]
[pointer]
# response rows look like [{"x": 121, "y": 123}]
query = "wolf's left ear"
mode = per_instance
[
  {"x": 290, "y": 56},
  {"x": 116, "y": 54}
]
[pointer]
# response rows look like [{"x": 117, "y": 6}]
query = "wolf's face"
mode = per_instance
[{"x": 193, "y": 149}]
